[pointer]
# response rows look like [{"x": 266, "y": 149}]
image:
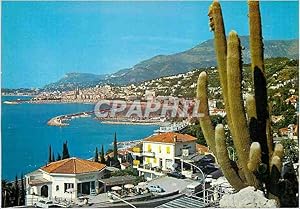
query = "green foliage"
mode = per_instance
[
  {"x": 50, "y": 155},
  {"x": 65, "y": 153},
  {"x": 128, "y": 171},
  {"x": 16, "y": 192},
  {"x": 58, "y": 157},
  {"x": 115, "y": 148},
  {"x": 290, "y": 150},
  {"x": 96, "y": 158},
  {"x": 102, "y": 159}
]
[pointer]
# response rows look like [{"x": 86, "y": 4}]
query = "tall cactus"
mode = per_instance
[{"x": 249, "y": 126}]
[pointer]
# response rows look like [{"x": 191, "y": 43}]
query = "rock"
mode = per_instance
[{"x": 247, "y": 198}]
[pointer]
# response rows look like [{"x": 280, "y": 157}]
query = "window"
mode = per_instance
[
  {"x": 159, "y": 149},
  {"x": 168, "y": 150},
  {"x": 68, "y": 186},
  {"x": 149, "y": 148},
  {"x": 92, "y": 185},
  {"x": 148, "y": 160},
  {"x": 154, "y": 160},
  {"x": 57, "y": 187}
]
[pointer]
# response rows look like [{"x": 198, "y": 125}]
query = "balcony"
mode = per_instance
[
  {"x": 137, "y": 151},
  {"x": 148, "y": 154},
  {"x": 136, "y": 163}
]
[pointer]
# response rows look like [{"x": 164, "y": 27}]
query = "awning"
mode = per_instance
[
  {"x": 116, "y": 188},
  {"x": 128, "y": 186}
]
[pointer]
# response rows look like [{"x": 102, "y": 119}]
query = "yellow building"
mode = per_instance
[{"x": 159, "y": 152}]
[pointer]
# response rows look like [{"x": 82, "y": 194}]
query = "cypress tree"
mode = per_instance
[
  {"x": 102, "y": 159},
  {"x": 17, "y": 191},
  {"x": 50, "y": 157},
  {"x": 65, "y": 153},
  {"x": 53, "y": 158},
  {"x": 23, "y": 192},
  {"x": 58, "y": 157},
  {"x": 96, "y": 155},
  {"x": 115, "y": 147}
]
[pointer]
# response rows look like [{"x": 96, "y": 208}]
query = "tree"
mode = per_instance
[
  {"x": 53, "y": 158},
  {"x": 102, "y": 159},
  {"x": 115, "y": 147},
  {"x": 50, "y": 156},
  {"x": 7, "y": 192},
  {"x": 96, "y": 155},
  {"x": 58, "y": 157},
  {"x": 65, "y": 153},
  {"x": 290, "y": 149},
  {"x": 108, "y": 161},
  {"x": 17, "y": 192},
  {"x": 23, "y": 192}
]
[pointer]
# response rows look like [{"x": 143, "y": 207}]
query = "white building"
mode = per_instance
[
  {"x": 66, "y": 179},
  {"x": 162, "y": 152}
]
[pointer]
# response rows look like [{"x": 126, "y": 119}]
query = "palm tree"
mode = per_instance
[{"x": 6, "y": 193}]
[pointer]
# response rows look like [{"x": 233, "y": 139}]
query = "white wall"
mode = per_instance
[
  {"x": 60, "y": 179},
  {"x": 175, "y": 150},
  {"x": 156, "y": 147}
]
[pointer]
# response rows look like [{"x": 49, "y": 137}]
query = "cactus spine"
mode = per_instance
[{"x": 258, "y": 165}]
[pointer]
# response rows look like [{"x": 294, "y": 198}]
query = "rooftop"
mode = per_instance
[
  {"x": 73, "y": 166},
  {"x": 171, "y": 137}
]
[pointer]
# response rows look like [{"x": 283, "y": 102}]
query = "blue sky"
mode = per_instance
[{"x": 41, "y": 41}]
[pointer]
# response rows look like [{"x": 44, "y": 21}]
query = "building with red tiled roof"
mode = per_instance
[
  {"x": 65, "y": 179},
  {"x": 202, "y": 149},
  {"x": 73, "y": 166},
  {"x": 159, "y": 152}
]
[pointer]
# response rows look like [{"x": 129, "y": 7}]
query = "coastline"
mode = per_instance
[{"x": 131, "y": 123}]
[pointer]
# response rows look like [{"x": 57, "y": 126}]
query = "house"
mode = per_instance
[
  {"x": 162, "y": 153},
  {"x": 66, "y": 179}
]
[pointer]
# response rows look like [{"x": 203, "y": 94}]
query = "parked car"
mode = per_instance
[
  {"x": 155, "y": 188},
  {"x": 176, "y": 175},
  {"x": 44, "y": 204}
]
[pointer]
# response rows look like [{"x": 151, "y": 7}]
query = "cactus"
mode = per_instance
[{"x": 258, "y": 162}]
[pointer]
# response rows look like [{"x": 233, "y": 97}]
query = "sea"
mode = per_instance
[{"x": 26, "y": 137}]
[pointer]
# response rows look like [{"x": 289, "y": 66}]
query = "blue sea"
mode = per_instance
[{"x": 26, "y": 136}]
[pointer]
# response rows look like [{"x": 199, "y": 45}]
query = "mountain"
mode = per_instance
[
  {"x": 200, "y": 56},
  {"x": 73, "y": 80}
]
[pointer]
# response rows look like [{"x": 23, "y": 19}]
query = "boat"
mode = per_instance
[
  {"x": 174, "y": 127},
  {"x": 10, "y": 102}
]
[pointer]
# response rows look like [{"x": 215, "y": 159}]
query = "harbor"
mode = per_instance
[{"x": 62, "y": 119}]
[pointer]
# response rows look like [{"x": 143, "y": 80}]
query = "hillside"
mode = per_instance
[
  {"x": 73, "y": 80},
  {"x": 200, "y": 56}
]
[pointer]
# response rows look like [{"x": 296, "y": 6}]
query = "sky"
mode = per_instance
[{"x": 42, "y": 41}]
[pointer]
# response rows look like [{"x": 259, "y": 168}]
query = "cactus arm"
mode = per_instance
[
  {"x": 278, "y": 151},
  {"x": 256, "y": 43},
  {"x": 224, "y": 161},
  {"x": 254, "y": 157},
  {"x": 239, "y": 122},
  {"x": 260, "y": 87},
  {"x": 217, "y": 26},
  {"x": 269, "y": 133},
  {"x": 205, "y": 121},
  {"x": 250, "y": 107}
]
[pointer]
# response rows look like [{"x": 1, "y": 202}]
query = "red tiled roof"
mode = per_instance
[
  {"x": 170, "y": 138},
  {"x": 73, "y": 166},
  {"x": 201, "y": 148}
]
